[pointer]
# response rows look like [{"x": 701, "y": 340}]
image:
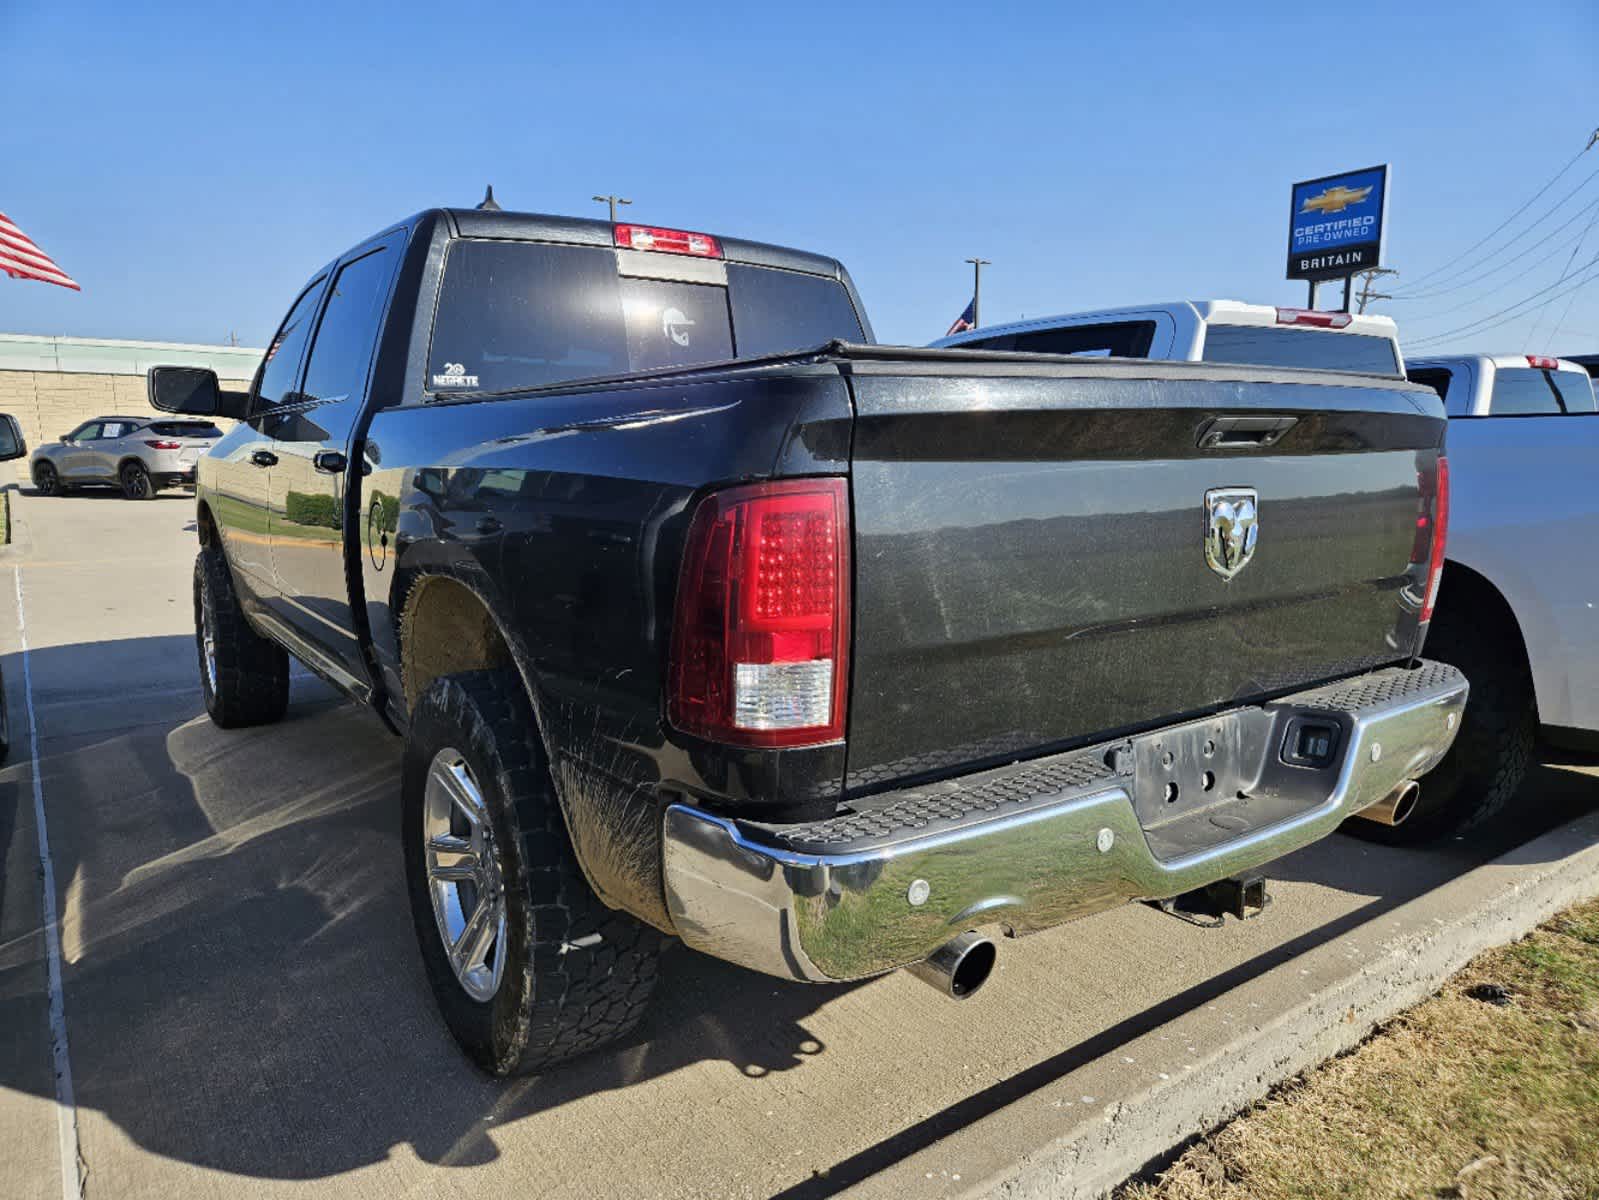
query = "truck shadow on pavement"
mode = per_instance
[{"x": 241, "y": 986}]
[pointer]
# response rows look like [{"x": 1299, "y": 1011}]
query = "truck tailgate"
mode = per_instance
[{"x": 1030, "y": 547}]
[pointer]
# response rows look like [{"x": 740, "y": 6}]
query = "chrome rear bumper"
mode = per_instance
[{"x": 1030, "y": 861}]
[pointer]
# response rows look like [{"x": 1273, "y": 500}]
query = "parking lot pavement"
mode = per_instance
[{"x": 247, "y": 1015}]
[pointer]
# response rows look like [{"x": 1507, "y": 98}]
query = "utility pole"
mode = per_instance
[
  {"x": 1367, "y": 278},
  {"x": 613, "y": 201},
  {"x": 977, "y": 288}
]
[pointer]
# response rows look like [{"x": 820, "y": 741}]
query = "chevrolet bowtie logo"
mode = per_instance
[{"x": 1334, "y": 199}]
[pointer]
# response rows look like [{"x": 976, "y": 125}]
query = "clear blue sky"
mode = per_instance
[{"x": 190, "y": 164}]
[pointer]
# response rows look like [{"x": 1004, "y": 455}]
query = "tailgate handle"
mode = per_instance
[{"x": 1226, "y": 433}]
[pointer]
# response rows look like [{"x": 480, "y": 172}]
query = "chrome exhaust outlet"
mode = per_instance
[
  {"x": 1396, "y": 807},
  {"x": 959, "y": 967}
]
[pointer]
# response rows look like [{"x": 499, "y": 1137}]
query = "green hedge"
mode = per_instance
[{"x": 304, "y": 508}]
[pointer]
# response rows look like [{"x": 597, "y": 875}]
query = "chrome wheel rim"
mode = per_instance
[
  {"x": 208, "y": 643},
  {"x": 463, "y": 875}
]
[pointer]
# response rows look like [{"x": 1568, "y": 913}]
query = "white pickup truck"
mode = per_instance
[
  {"x": 1221, "y": 331},
  {"x": 1517, "y": 608}
]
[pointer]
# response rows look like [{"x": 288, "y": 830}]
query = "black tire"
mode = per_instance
[
  {"x": 46, "y": 479},
  {"x": 246, "y": 681},
  {"x": 137, "y": 483},
  {"x": 1490, "y": 756},
  {"x": 577, "y": 975}
]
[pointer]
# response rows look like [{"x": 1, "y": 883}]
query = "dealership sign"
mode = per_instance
[{"x": 1335, "y": 224}]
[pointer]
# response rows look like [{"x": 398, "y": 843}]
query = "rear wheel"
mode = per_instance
[
  {"x": 527, "y": 965},
  {"x": 46, "y": 479},
  {"x": 1490, "y": 756},
  {"x": 244, "y": 676},
  {"x": 136, "y": 482}
]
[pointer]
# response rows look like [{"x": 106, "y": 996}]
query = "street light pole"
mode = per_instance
[
  {"x": 977, "y": 288},
  {"x": 613, "y": 201}
]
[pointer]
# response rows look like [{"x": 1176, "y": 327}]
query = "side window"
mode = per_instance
[
  {"x": 116, "y": 429},
  {"x": 282, "y": 363},
  {"x": 1522, "y": 392},
  {"x": 86, "y": 432},
  {"x": 1119, "y": 339},
  {"x": 1436, "y": 378},
  {"x": 341, "y": 356}
]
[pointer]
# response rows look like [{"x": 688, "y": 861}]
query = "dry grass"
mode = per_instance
[{"x": 1459, "y": 1097}]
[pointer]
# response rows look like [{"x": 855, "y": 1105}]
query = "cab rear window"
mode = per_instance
[
  {"x": 1315, "y": 349},
  {"x": 1527, "y": 391},
  {"x": 517, "y": 315}
]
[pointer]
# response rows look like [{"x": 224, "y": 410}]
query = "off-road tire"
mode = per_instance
[
  {"x": 137, "y": 482},
  {"x": 1490, "y": 756},
  {"x": 46, "y": 479},
  {"x": 578, "y": 975},
  {"x": 252, "y": 672}
]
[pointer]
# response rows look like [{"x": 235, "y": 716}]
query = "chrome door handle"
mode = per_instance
[
  {"x": 329, "y": 462},
  {"x": 264, "y": 458}
]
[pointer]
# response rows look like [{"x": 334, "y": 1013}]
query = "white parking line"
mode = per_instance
[{"x": 66, "y": 1104}]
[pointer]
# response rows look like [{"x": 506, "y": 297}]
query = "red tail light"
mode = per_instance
[
  {"x": 1432, "y": 532},
  {"x": 760, "y": 643},
  {"x": 667, "y": 241},
  {"x": 163, "y": 445},
  {"x": 1312, "y": 316},
  {"x": 1543, "y": 362}
]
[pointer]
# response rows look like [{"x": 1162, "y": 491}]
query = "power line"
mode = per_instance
[
  {"x": 1495, "y": 231},
  {"x": 1493, "y": 318},
  {"x": 1564, "y": 271},
  {"x": 1495, "y": 253},
  {"x": 1472, "y": 301},
  {"x": 1591, "y": 206}
]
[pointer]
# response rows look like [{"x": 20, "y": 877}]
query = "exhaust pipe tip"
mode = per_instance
[
  {"x": 1395, "y": 808},
  {"x": 959, "y": 968}
]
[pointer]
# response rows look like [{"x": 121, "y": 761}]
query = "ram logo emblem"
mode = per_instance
[{"x": 1232, "y": 526}]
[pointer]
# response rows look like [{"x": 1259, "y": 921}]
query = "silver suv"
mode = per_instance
[{"x": 140, "y": 455}]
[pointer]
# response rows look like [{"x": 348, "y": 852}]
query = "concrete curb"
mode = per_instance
[{"x": 1081, "y": 1135}]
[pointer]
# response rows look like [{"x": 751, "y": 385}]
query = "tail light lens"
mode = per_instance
[
  {"x": 760, "y": 644},
  {"x": 157, "y": 445},
  {"x": 1432, "y": 532}
]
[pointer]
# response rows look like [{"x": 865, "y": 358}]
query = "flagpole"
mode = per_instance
[{"x": 977, "y": 289}]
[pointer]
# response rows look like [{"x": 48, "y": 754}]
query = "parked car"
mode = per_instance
[
  {"x": 140, "y": 455},
  {"x": 1516, "y": 611},
  {"x": 702, "y": 615},
  {"x": 12, "y": 446},
  {"x": 1223, "y": 331}
]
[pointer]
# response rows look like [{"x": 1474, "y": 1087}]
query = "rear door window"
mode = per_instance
[
  {"x": 348, "y": 331},
  {"x": 1316, "y": 349}
]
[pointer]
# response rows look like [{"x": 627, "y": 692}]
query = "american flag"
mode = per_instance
[
  {"x": 967, "y": 320},
  {"x": 21, "y": 259}
]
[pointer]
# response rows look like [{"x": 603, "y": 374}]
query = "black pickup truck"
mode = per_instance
[{"x": 703, "y": 616}]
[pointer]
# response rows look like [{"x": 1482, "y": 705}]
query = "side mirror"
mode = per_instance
[
  {"x": 193, "y": 392},
  {"x": 12, "y": 443}
]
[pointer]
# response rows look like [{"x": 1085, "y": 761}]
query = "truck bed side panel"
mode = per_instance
[{"x": 565, "y": 514}]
